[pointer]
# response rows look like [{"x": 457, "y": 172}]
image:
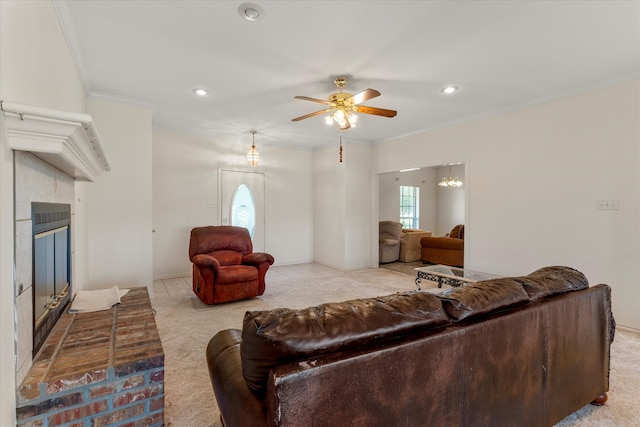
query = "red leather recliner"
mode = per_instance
[{"x": 225, "y": 268}]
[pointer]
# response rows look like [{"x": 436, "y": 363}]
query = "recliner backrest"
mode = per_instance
[
  {"x": 205, "y": 240},
  {"x": 390, "y": 230}
]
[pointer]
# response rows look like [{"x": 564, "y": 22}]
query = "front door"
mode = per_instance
[{"x": 242, "y": 203}]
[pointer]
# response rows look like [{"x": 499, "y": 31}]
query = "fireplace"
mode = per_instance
[{"x": 51, "y": 266}]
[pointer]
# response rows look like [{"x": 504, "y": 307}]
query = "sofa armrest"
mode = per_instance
[
  {"x": 206, "y": 261},
  {"x": 257, "y": 258},
  {"x": 237, "y": 404}
]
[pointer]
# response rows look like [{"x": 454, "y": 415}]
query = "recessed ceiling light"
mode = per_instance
[
  {"x": 250, "y": 11},
  {"x": 450, "y": 89},
  {"x": 200, "y": 92}
]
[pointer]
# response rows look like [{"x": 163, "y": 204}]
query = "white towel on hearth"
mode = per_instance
[{"x": 103, "y": 299}]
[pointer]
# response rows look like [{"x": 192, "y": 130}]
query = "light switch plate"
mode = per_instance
[{"x": 607, "y": 205}]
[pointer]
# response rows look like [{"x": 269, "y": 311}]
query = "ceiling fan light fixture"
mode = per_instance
[{"x": 341, "y": 106}]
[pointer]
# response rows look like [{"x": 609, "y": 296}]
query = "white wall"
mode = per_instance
[
  {"x": 35, "y": 69},
  {"x": 535, "y": 176},
  {"x": 344, "y": 196},
  {"x": 185, "y": 184},
  {"x": 358, "y": 201},
  {"x": 119, "y": 209},
  {"x": 330, "y": 208}
]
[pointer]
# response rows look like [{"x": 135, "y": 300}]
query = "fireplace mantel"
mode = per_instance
[{"x": 67, "y": 141}]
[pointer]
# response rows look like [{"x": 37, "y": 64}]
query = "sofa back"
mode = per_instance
[
  {"x": 531, "y": 365},
  {"x": 272, "y": 338},
  {"x": 534, "y": 347}
]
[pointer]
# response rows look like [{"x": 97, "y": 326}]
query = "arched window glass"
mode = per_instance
[{"x": 243, "y": 213}]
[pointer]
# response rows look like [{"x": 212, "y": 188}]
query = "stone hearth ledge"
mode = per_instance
[{"x": 105, "y": 366}]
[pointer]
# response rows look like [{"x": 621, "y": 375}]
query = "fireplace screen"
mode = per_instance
[{"x": 51, "y": 266}]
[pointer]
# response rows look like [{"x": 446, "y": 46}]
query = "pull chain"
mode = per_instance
[{"x": 340, "y": 148}]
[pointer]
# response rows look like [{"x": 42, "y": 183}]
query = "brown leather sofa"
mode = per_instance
[
  {"x": 525, "y": 351},
  {"x": 447, "y": 250},
  {"x": 225, "y": 268}
]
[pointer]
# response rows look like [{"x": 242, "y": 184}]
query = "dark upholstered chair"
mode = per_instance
[
  {"x": 447, "y": 250},
  {"x": 389, "y": 241},
  {"x": 225, "y": 268}
]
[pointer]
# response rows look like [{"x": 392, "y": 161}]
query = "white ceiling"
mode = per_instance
[{"x": 503, "y": 54}]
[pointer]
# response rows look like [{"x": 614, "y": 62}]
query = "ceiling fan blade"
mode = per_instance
[
  {"x": 363, "y": 96},
  {"x": 306, "y": 98},
  {"x": 297, "y": 119},
  {"x": 377, "y": 111}
]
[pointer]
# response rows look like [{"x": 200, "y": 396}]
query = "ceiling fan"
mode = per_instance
[{"x": 341, "y": 106}]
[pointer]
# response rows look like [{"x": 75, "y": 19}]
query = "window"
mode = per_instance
[
  {"x": 243, "y": 212},
  {"x": 409, "y": 206}
]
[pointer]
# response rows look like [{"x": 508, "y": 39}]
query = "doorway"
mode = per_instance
[
  {"x": 440, "y": 208},
  {"x": 242, "y": 195}
]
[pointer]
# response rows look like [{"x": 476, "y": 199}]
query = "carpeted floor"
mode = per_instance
[{"x": 186, "y": 326}]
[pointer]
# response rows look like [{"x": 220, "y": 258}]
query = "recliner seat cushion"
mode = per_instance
[
  {"x": 280, "y": 336},
  {"x": 236, "y": 274}
]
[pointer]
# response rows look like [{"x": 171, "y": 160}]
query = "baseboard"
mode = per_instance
[{"x": 628, "y": 329}]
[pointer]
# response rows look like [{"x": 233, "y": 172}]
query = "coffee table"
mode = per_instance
[{"x": 452, "y": 276}]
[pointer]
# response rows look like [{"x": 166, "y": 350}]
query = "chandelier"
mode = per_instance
[
  {"x": 253, "y": 157},
  {"x": 450, "y": 182}
]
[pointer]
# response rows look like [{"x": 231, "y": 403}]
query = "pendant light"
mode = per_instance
[
  {"x": 450, "y": 182},
  {"x": 253, "y": 157}
]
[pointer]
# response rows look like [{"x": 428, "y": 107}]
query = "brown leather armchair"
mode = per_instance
[
  {"x": 447, "y": 250},
  {"x": 225, "y": 268}
]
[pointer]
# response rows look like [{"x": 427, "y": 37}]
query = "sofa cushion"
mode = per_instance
[
  {"x": 280, "y": 336},
  {"x": 552, "y": 280},
  {"x": 482, "y": 298}
]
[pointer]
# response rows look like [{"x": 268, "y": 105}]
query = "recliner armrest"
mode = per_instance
[
  {"x": 204, "y": 261},
  {"x": 257, "y": 258}
]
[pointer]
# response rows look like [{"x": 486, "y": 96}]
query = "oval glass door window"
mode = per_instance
[{"x": 243, "y": 212}]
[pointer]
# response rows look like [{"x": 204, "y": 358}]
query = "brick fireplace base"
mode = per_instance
[{"x": 98, "y": 369}]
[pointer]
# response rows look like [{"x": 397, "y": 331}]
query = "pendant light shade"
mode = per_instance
[{"x": 253, "y": 157}]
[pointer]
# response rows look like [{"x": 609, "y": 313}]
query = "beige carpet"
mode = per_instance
[{"x": 186, "y": 325}]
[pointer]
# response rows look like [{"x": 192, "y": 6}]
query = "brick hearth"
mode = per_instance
[{"x": 98, "y": 369}]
